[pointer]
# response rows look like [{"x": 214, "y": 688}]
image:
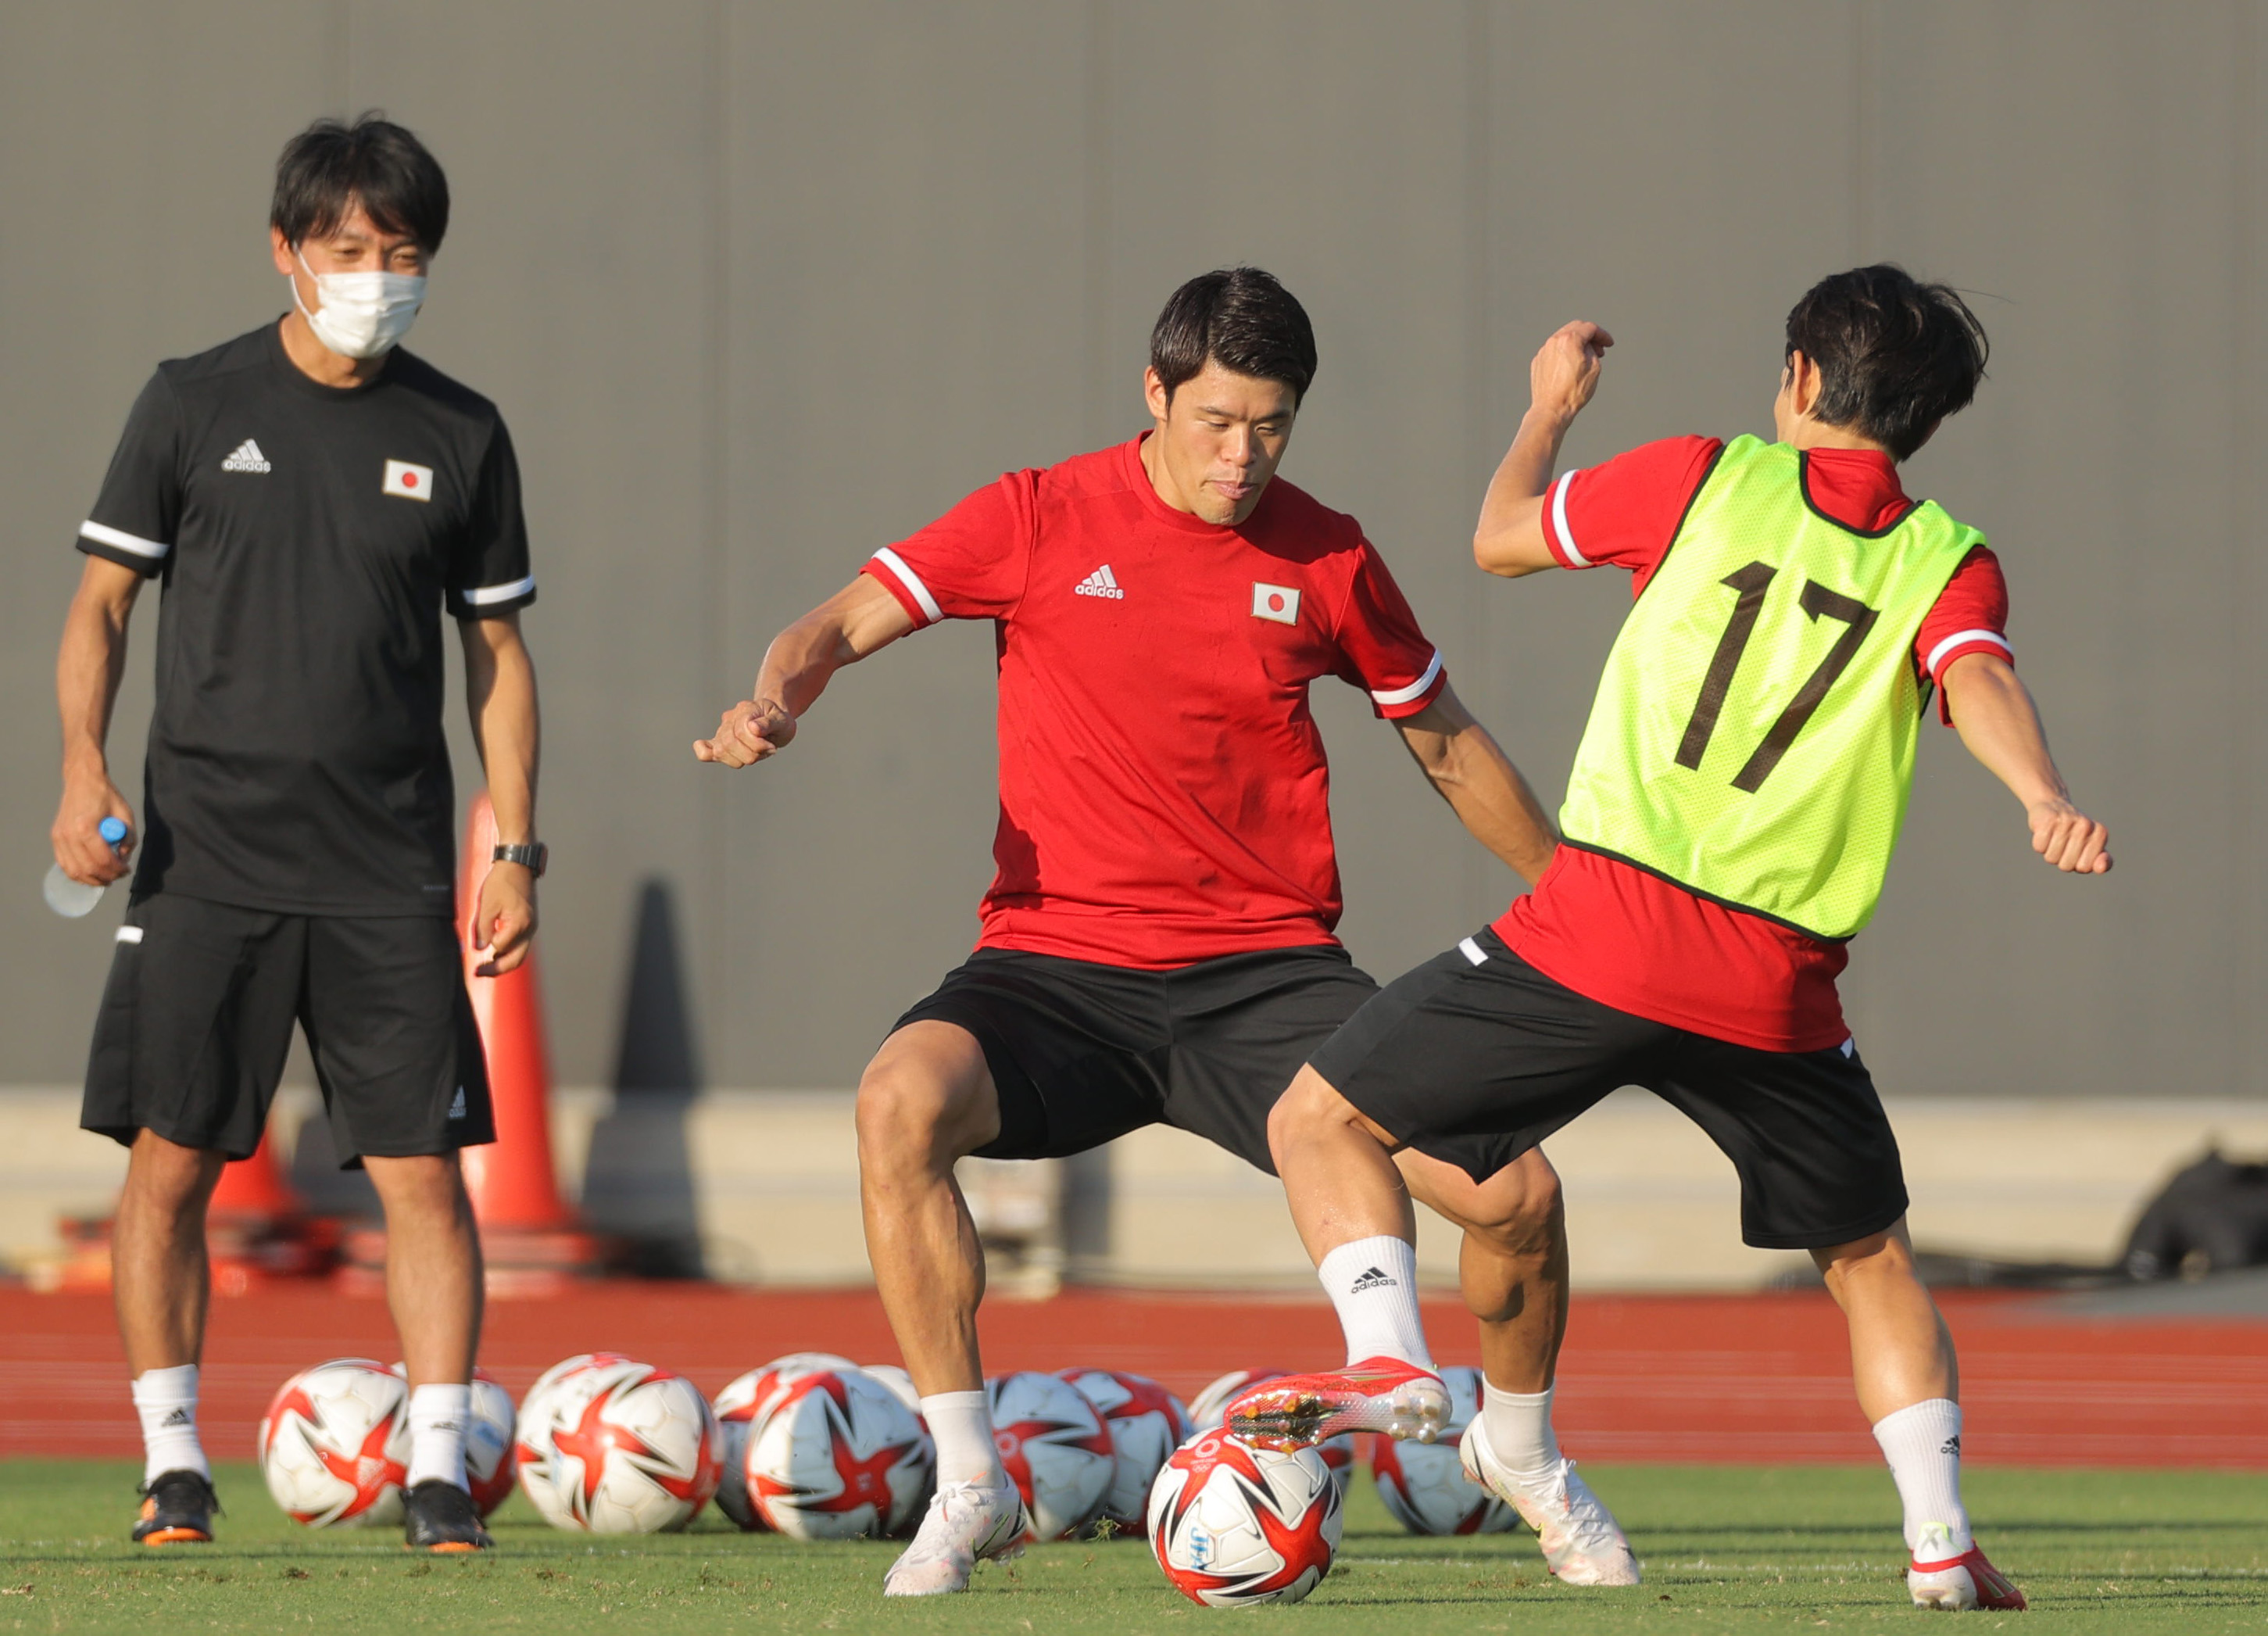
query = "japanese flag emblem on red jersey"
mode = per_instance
[
  {"x": 407, "y": 481},
  {"x": 1278, "y": 602}
]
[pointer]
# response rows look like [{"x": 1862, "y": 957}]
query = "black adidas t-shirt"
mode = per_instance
[{"x": 308, "y": 538}]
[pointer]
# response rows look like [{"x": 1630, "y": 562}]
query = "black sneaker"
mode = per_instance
[
  {"x": 439, "y": 1516},
  {"x": 177, "y": 1509}
]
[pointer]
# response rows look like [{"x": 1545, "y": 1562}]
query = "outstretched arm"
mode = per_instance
[
  {"x": 1480, "y": 784},
  {"x": 1561, "y": 378},
  {"x": 87, "y": 669},
  {"x": 856, "y": 621},
  {"x": 1996, "y": 717}
]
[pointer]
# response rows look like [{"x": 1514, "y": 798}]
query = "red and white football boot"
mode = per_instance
[
  {"x": 1377, "y": 1395},
  {"x": 1957, "y": 1581},
  {"x": 966, "y": 1525}
]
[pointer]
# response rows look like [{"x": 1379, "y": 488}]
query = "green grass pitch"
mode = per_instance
[{"x": 1789, "y": 1547}]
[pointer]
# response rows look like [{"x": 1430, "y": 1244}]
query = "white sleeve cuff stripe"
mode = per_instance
[
  {"x": 488, "y": 593},
  {"x": 1575, "y": 559},
  {"x": 1416, "y": 689},
  {"x": 103, "y": 534},
  {"x": 1963, "y": 638},
  {"x": 911, "y": 581}
]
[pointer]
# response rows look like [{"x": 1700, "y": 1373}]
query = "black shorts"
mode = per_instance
[
  {"x": 1081, "y": 1052},
  {"x": 1478, "y": 1040},
  {"x": 196, "y": 1021}
]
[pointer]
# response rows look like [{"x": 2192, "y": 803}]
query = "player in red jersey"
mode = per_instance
[
  {"x": 1158, "y": 945},
  {"x": 1689, "y": 931}
]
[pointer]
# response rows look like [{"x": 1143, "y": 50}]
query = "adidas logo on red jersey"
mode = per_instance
[{"x": 1101, "y": 582}]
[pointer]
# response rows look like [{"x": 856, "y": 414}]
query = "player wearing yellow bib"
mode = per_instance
[{"x": 1728, "y": 823}]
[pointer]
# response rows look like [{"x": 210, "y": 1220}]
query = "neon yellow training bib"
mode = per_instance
[{"x": 1753, "y": 737}]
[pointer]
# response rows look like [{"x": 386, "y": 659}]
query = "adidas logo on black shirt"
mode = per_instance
[
  {"x": 247, "y": 457},
  {"x": 1375, "y": 1278}
]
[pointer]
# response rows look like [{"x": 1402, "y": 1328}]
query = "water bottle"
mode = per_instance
[{"x": 71, "y": 898}]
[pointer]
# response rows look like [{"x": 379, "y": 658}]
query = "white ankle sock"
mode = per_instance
[
  {"x": 166, "y": 1400},
  {"x": 1922, "y": 1442},
  {"x": 439, "y": 1416},
  {"x": 1519, "y": 1427},
  {"x": 961, "y": 1423},
  {"x": 1372, "y": 1283}
]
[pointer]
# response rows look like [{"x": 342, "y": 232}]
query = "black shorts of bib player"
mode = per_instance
[
  {"x": 311, "y": 498},
  {"x": 1478, "y": 1042}
]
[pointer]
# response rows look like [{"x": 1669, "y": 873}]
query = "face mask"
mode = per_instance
[{"x": 363, "y": 315}]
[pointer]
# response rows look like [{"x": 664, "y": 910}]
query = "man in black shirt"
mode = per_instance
[{"x": 312, "y": 498}]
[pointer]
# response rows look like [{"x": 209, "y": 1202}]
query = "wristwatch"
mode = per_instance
[{"x": 535, "y": 854}]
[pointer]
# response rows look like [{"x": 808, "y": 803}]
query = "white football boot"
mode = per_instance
[
  {"x": 1956, "y": 1581},
  {"x": 1582, "y": 1542},
  {"x": 965, "y": 1524}
]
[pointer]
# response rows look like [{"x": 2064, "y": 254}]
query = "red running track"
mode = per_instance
[{"x": 1753, "y": 1378}]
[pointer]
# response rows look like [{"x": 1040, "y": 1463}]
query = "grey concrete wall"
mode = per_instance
[{"x": 761, "y": 287}]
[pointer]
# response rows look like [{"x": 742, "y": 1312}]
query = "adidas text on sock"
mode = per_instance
[
  {"x": 1922, "y": 1442},
  {"x": 1373, "y": 1284},
  {"x": 439, "y": 1416},
  {"x": 166, "y": 1402},
  {"x": 1519, "y": 1427},
  {"x": 961, "y": 1423}
]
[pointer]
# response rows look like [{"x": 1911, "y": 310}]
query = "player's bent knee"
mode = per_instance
[{"x": 924, "y": 1106}]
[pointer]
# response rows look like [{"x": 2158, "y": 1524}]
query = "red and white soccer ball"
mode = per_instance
[
  {"x": 1424, "y": 1484},
  {"x": 1054, "y": 1446},
  {"x": 490, "y": 1461},
  {"x": 618, "y": 1447},
  {"x": 901, "y": 1384},
  {"x": 1209, "y": 1407},
  {"x": 1234, "y": 1526},
  {"x": 739, "y": 1407},
  {"x": 335, "y": 1445},
  {"x": 1146, "y": 1424},
  {"x": 838, "y": 1456}
]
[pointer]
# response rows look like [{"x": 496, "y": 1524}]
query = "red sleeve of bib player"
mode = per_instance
[
  {"x": 1382, "y": 651},
  {"x": 971, "y": 562},
  {"x": 1625, "y": 511},
  {"x": 1970, "y": 615}
]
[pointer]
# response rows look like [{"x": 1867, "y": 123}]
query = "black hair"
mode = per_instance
[
  {"x": 1895, "y": 356},
  {"x": 1240, "y": 318},
  {"x": 330, "y": 166}
]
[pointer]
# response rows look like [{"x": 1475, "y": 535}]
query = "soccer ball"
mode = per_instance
[
  {"x": 489, "y": 1466},
  {"x": 618, "y": 1447},
  {"x": 901, "y": 1384},
  {"x": 1424, "y": 1484},
  {"x": 335, "y": 1445},
  {"x": 837, "y": 1457},
  {"x": 1234, "y": 1526},
  {"x": 1054, "y": 1446},
  {"x": 581, "y": 1360},
  {"x": 1146, "y": 1424},
  {"x": 739, "y": 1407},
  {"x": 1209, "y": 1407}
]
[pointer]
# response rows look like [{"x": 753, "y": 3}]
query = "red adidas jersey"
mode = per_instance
[
  {"x": 1632, "y": 940},
  {"x": 1163, "y": 797}
]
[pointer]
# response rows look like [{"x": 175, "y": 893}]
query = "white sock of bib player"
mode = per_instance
[
  {"x": 1922, "y": 1442},
  {"x": 166, "y": 1402},
  {"x": 1518, "y": 1426},
  {"x": 439, "y": 1416},
  {"x": 961, "y": 1425},
  {"x": 1373, "y": 1284}
]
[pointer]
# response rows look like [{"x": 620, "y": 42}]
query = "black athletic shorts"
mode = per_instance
[
  {"x": 1082, "y": 1052},
  {"x": 1478, "y": 1040},
  {"x": 196, "y": 1021}
]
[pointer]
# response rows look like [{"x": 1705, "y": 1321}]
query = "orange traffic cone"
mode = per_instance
[
  {"x": 256, "y": 1188},
  {"x": 532, "y": 1239}
]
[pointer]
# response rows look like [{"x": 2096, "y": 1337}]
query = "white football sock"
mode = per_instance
[
  {"x": 1372, "y": 1283},
  {"x": 961, "y": 1423},
  {"x": 166, "y": 1400},
  {"x": 1922, "y": 1442},
  {"x": 1519, "y": 1427},
  {"x": 439, "y": 1416}
]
